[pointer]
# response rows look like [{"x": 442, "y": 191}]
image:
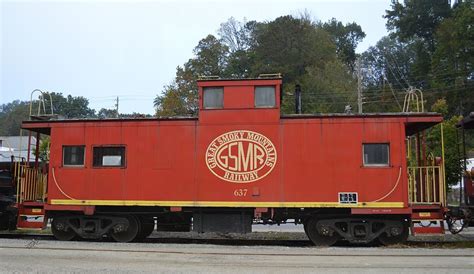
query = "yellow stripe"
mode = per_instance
[{"x": 225, "y": 204}]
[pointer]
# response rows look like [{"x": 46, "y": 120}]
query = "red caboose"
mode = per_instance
[{"x": 342, "y": 175}]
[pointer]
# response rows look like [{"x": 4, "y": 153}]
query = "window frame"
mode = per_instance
[
  {"x": 74, "y": 166},
  {"x": 122, "y": 166},
  {"x": 203, "y": 95},
  {"x": 364, "y": 164},
  {"x": 255, "y": 96}
]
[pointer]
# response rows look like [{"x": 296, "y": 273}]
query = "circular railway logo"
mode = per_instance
[{"x": 241, "y": 156}]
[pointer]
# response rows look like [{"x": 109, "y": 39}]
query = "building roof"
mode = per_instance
[
  {"x": 16, "y": 146},
  {"x": 467, "y": 122},
  {"x": 16, "y": 142}
]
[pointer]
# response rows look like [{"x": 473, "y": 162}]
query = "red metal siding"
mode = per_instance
[
  {"x": 291, "y": 162},
  {"x": 316, "y": 159}
]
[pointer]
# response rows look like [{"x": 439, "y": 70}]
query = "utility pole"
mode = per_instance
[
  {"x": 359, "y": 86},
  {"x": 116, "y": 107},
  {"x": 298, "y": 99}
]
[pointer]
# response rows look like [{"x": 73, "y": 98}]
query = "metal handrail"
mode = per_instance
[
  {"x": 41, "y": 102},
  {"x": 31, "y": 183},
  {"x": 426, "y": 185},
  {"x": 413, "y": 95}
]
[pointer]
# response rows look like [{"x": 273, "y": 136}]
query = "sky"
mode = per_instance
[{"x": 130, "y": 49}]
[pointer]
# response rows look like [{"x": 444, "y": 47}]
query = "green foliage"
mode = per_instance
[
  {"x": 11, "y": 115},
  {"x": 238, "y": 36},
  {"x": 389, "y": 61},
  {"x": 171, "y": 103},
  {"x": 70, "y": 106},
  {"x": 417, "y": 19},
  {"x": 440, "y": 106},
  {"x": 430, "y": 48},
  {"x": 452, "y": 164},
  {"x": 328, "y": 89},
  {"x": 44, "y": 149},
  {"x": 107, "y": 113},
  {"x": 345, "y": 37},
  {"x": 451, "y": 156},
  {"x": 441, "y": 40},
  {"x": 452, "y": 62},
  {"x": 290, "y": 45},
  {"x": 296, "y": 47},
  {"x": 210, "y": 57},
  {"x": 180, "y": 97},
  {"x": 387, "y": 70}
]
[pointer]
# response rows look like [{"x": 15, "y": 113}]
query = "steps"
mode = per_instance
[
  {"x": 427, "y": 219},
  {"x": 31, "y": 215}
]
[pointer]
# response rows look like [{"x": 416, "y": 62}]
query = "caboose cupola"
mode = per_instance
[{"x": 250, "y": 100}]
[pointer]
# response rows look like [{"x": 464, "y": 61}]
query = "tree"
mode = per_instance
[
  {"x": 415, "y": 22},
  {"x": 107, "y": 113},
  {"x": 346, "y": 38},
  {"x": 170, "y": 103},
  {"x": 44, "y": 149},
  {"x": 387, "y": 72},
  {"x": 289, "y": 45},
  {"x": 417, "y": 19},
  {"x": 210, "y": 57},
  {"x": 240, "y": 39},
  {"x": 70, "y": 106},
  {"x": 452, "y": 164},
  {"x": 296, "y": 47},
  {"x": 180, "y": 97},
  {"x": 11, "y": 116},
  {"x": 452, "y": 62},
  {"x": 389, "y": 61},
  {"x": 238, "y": 36},
  {"x": 328, "y": 88}
]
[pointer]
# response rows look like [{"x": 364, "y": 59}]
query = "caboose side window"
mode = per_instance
[
  {"x": 109, "y": 156},
  {"x": 213, "y": 97},
  {"x": 73, "y": 155},
  {"x": 376, "y": 154},
  {"x": 265, "y": 96}
]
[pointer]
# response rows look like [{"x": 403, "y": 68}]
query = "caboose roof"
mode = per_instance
[
  {"x": 283, "y": 116},
  {"x": 238, "y": 79},
  {"x": 362, "y": 115},
  {"x": 415, "y": 122}
]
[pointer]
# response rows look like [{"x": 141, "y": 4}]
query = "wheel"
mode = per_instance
[
  {"x": 147, "y": 225},
  {"x": 61, "y": 230},
  {"x": 123, "y": 232},
  {"x": 320, "y": 234},
  {"x": 396, "y": 234}
]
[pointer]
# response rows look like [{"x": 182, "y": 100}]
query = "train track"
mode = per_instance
[
  {"x": 467, "y": 242},
  {"x": 239, "y": 253},
  {"x": 179, "y": 240}
]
